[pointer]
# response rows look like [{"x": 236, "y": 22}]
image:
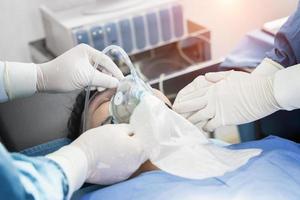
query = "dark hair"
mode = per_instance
[{"x": 75, "y": 119}]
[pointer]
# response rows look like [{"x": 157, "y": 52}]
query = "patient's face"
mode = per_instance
[{"x": 99, "y": 106}]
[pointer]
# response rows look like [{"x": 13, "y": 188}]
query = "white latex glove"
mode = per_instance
[
  {"x": 233, "y": 98},
  {"x": 104, "y": 155},
  {"x": 189, "y": 99},
  {"x": 267, "y": 67},
  {"x": 229, "y": 98},
  {"x": 70, "y": 71},
  {"x": 74, "y": 69}
]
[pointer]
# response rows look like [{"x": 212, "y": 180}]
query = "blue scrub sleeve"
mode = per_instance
[
  {"x": 286, "y": 49},
  {"x": 24, "y": 177}
]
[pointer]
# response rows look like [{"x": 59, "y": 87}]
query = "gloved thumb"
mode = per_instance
[
  {"x": 101, "y": 80},
  {"x": 216, "y": 76}
]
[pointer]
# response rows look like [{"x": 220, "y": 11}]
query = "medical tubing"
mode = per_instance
[
  {"x": 87, "y": 96},
  {"x": 125, "y": 56},
  {"x": 128, "y": 62},
  {"x": 186, "y": 57},
  {"x": 161, "y": 83},
  {"x": 88, "y": 89}
]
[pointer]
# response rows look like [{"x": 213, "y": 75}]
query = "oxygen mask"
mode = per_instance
[{"x": 128, "y": 95}]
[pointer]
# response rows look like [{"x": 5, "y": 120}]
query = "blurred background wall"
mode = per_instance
[{"x": 228, "y": 20}]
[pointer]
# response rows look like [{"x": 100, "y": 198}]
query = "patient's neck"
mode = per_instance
[{"x": 147, "y": 166}]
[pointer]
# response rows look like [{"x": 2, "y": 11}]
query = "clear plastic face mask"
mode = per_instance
[{"x": 127, "y": 96}]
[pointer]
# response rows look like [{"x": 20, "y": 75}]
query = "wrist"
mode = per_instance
[
  {"x": 272, "y": 101},
  {"x": 20, "y": 79},
  {"x": 286, "y": 88},
  {"x": 267, "y": 67},
  {"x": 73, "y": 162}
]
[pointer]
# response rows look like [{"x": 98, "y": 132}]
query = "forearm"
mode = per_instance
[
  {"x": 17, "y": 80},
  {"x": 287, "y": 87},
  {"x": 287, "y": 41},
  {"x": 31, "y": 177},
  {"x": 286, "y": 82}
]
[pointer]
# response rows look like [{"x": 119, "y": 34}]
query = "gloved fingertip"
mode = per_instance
[
  {"x": 106, "y": 62},
  {"x": 176, "y": 103},
  {"x": 211, "y": 125},
  {"x": 178, "y": 108},
  {"x": 187, "y": 115},
  {"x": 100, "y": 89},
  {"x": 114, "y": 82},
  {"x": 117, "y": 74},
  {"x": 202, "y": 115},
  {"x": 216, "y": 76},
  {"x": 103, "y": 80},
  {"x": 196, "y": 96},
  {"x": 185, "y": 107},
  {"x": 207, "y": 130},
  {"x": 120, "y": 76},
  {"x": 201, "y": 124},
  {"x": 206, "y": 133}
]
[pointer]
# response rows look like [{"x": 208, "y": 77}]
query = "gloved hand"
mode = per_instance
[
  {"x": 229, "y": 98},
  {"x": 104, "y": 155},
  {"x": 70, "y": 71},
  {"x": 234, "y": 98},
  {"x": 189, "y": 100},
  {"x": 74, "y": 70}
]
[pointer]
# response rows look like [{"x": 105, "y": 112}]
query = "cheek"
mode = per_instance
[{"x": 100, "y": 114}]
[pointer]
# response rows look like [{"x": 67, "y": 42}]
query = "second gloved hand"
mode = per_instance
[
  {"x": 227, "y": 98},
  {"x": 74, "y": 69},
  {"x": 104, "y": 155}
]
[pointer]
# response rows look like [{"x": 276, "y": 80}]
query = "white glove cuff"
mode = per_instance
[
  {"x": 20, "y": 79},
  {"x": 74, "y": 163},
  {"x": 267, "y": 67},
  {"x": 287, "y": 87}
]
